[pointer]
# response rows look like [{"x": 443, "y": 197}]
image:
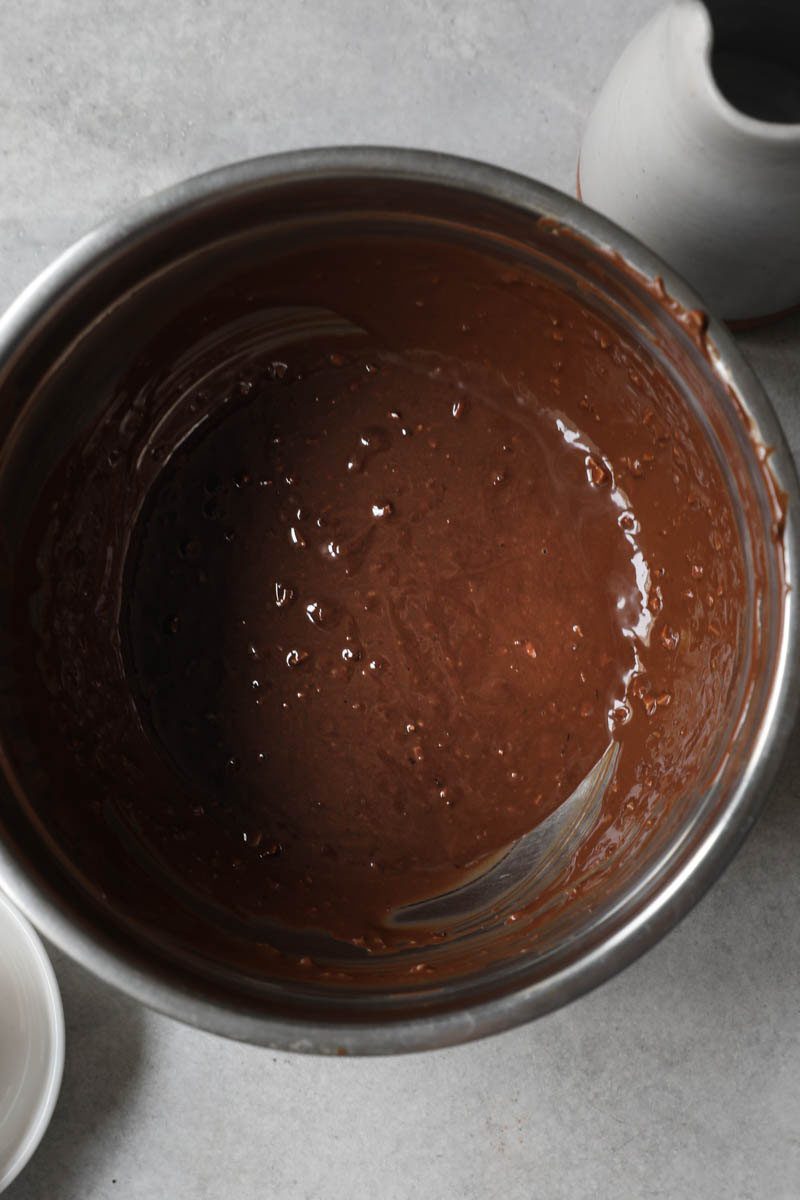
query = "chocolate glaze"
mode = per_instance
[{"x": 366, "y": 562}]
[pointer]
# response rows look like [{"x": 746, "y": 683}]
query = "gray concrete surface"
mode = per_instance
[{"x": 680, "y": 1078}]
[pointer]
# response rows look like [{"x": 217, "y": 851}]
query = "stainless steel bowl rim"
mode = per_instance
[{"x": 129, "y": 969}]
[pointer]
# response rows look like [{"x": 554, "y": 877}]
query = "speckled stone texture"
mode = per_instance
[{"x": 679, "y": 1079}]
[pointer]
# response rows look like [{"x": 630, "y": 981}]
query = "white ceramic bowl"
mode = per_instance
[{"x": 31, "y": 1041}]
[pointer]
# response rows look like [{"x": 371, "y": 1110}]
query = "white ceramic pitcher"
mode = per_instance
[{"x": 694, "y": 146}]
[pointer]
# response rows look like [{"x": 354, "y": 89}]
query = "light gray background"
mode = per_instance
[{"x": 680, "y": 1078}]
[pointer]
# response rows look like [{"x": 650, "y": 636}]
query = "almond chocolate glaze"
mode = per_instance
[{"x": 365, "y": 564}]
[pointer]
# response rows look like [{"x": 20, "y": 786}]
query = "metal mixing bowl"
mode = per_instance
[{"x": 67, "y": 340}]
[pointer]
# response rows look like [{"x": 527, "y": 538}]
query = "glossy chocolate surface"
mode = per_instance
[{"x": 374, "y": 551}]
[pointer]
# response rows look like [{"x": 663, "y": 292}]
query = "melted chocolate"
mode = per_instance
[{"x": 368, "y": 560}]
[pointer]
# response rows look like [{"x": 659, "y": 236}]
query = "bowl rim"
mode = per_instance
[
  {"x": 45, "y": 1101},
  {"x": 163, "y": 989}
]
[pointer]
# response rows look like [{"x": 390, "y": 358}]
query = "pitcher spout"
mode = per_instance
[{"x": 694, "y": 146}]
